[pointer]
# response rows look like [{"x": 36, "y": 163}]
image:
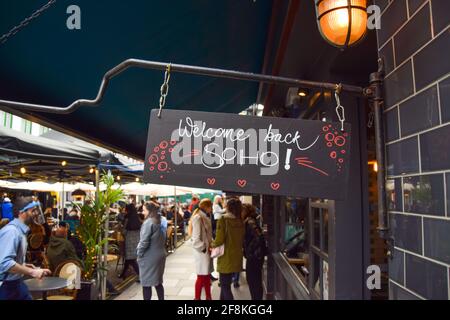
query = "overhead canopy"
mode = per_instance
[
  {"x": 162, "y": 190},
  {"x": 42, "y": 158},
  {"x": 46, "y": 63},
  {"x": 23, "y": 145}
]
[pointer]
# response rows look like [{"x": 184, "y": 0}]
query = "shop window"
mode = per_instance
[{"x": 306, "y": 241}]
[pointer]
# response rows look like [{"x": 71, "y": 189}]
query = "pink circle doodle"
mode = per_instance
[
  {"x": 333, "y": 154},
  {"x": 153, "y": 159},
  {"x": 340, "y": 160},
  {"x": 329, "y": 137},
  {"x": 325, "y": 128},
  {"x": 339, "y": 141},
  {"x": 155, "y": 149},
  {"x": 329, "y": 144},
  {"x": 163, "y": 144},
  {"x": 162, "y": 166}
]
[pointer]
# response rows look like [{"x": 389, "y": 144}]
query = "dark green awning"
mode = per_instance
[{"x": 46, "y": 63}]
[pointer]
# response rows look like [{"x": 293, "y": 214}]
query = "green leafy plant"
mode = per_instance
[{"x": 91, "y": 230}]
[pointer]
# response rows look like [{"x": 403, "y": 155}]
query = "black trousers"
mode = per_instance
[
  {"x": 225, "y": 286},
  {"x": 147, "y": 291},
  {"x": 253, "y": 271},
  {"x": 127, "y": 264}
]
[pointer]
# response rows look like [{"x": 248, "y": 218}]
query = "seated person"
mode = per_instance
[
  {"x": 76, "y": 242},
  {"x": 3, "y": 222},
  {"x": 60, "y": 249},
  {"x": 73, "y": 215}
]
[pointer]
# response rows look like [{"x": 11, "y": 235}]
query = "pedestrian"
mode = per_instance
[
  {"x": 218, "y": 211},
  {"x": 201, "y": 242},
  {"x": 230, "y": 233},
  {"x": 151, "y": 252},
  {"x": 186, "y": 216},
  {"x": 132, "y": 228},
  {"x": 13, "y": 251},
  {"x": 7, "y": 209},
  {"x": 60, "y": 249},
  {"x": 255, "y": 249},
  {"x": 194, "y": 203}
]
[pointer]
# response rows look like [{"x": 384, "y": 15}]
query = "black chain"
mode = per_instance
[
  {"x": 371, "y": 119},
  {"x": 25, "y": 22}
]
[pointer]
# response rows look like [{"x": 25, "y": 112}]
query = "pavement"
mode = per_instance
[{"x": 179, "y": 280}]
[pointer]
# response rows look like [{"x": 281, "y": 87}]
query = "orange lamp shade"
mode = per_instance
[{"x": 342, "y": 23}]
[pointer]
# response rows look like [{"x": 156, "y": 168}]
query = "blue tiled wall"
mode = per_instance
[{"x": 414, "y": 41}]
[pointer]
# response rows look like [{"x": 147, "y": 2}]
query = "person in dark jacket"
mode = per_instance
[
  {"x": 254, "y": 251},
  {"x": 132, "y": 227},
  {"x": 80, "y": 249},
  {"x": 60, "y": 249}
]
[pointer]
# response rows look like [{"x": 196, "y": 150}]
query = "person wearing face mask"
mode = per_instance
[{"x": 13, "y": 238}]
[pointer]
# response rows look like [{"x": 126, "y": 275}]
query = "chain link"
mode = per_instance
[
  {"x": 25, "y": 22},
  {"x": 371, "y": 119},
  {"x": 340, "y": 111},
  {"x": 164, "y": 90}
]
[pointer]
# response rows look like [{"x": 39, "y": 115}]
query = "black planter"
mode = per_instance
[{"x": 88, "y": 291}]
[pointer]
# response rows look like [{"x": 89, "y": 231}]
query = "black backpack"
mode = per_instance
[{"x": 256, "y": 247}]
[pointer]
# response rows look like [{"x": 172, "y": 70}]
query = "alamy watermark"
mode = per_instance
[
  {"x": 373, "y": 17},
  {"x": 73, "y": 22},
  {"x": 374, "y": 280}
]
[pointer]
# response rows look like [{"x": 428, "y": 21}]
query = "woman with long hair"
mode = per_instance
[
  {"x": 151, "y": 252},
  {"x": 230, "y": 233},
  {"x": 131, "y": 229},
  {"x": 201, "y": 242},
  {"x": 255, "y": 249}
]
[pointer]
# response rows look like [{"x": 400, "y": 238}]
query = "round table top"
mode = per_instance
[{"x": 46, "y": 284}]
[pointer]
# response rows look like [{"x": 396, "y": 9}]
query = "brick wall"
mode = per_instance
[{"x": 414, "y": 41}]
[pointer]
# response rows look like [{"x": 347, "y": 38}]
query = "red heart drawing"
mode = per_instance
[
  {"x": 242, "y": 182},
  {"x": 211, "y": 181},
  {"x": 275, "y": 185}
]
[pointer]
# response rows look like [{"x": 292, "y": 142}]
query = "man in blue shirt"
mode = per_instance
[
  {"x": 7, "y": 209},
  {"x": 13, "y": 249}
]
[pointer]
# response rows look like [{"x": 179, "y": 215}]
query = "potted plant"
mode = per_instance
[{"x": 93, "y": 234}]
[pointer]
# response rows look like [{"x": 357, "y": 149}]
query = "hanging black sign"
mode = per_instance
[{"x": 261, "y": 155}]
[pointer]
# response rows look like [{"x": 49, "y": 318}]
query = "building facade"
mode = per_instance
[
  {"x": 414, "y": 42},
  {"x": 10, "y": 121},
  {"x": 324, "y": 249}
]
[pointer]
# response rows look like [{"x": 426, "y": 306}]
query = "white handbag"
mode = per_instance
[{"x": 218, "y": 251}]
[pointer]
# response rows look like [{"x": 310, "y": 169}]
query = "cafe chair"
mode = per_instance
[
  {"x": 121, "y": 254},
  {"x": 45, "y": 262},
  {"x": 71, "y": 271},
  {"x": 170, "y": 239}
]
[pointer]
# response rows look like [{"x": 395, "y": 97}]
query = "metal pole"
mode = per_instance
[
  {"x": 175, "y": 219},
  {"x": 61, "y": 215},
  {"x": 105, "y": 255},
  {"x": 99, "y": 256},
  {"x": 376, "y": 85},
  {"x": 181, "y": 68}
]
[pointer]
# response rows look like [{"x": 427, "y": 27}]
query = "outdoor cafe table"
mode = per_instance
[{"x": 46, "y": 284}]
